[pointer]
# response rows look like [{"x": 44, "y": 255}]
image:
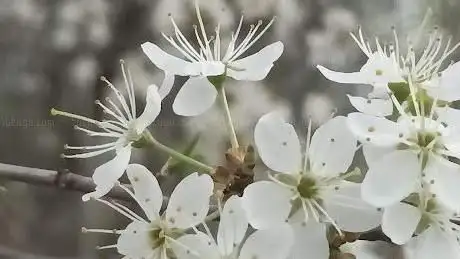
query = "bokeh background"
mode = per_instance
[{"x": 53, "y": 52}]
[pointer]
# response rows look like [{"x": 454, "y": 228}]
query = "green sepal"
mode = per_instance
[
  {"x": 400, "y": 90},
  {"x": 142, "y": 142},
  {"x": 181, "y": 166},
  {"x": 217, "y": 81}
]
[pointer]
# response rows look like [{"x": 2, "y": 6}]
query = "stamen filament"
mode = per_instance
[
  {"x": 56, "y": 112},
  {"x": 117, "y": 209},
  {"x": 104, "y": 231},
  {"x": 90, "y": 154},
  {"x": 120, "y": 97},
  {"x": 203, "y": 32},
  {"x": 129, "y": 87},
  {"x": 332, "y": 221}
]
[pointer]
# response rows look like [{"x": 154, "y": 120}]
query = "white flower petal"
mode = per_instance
[
  {"x": 196, "y": 96},
  {"x": 189, "y": 202},
  {"x": 310, "y": 239},
  {"x": 196, "y": 246},
  {"x": 400, "y": 221},
  {"x": 167, "y": 62},
  {"x": 380, "y": 91},
  {"x": 363, "y": 249},
  {"x": 257, "y": 66},
  {"x": 449, "y": 116},
  {"x": 166, "y": 86},
  {"x": 106, "y": 175},
  {"x": 332, "y": 148},
  {"x": 349, "y": 211},
  {"x": 444, "y": 179},
  {"x": 380, "y": 70},
  {"x": 343, "y": 78},
  {"x": 146, "y": 190},
  {"x": 210, "y": 68},
  {"x": 451, "y": 139},
  {"x": 273, "y": 243},
  {"x": 232, "y": 226},
  {"x": 433, "y": 243},
  {"x": 151, "y": 110},
  {"x": 446, "y": 88},
  {"x": 266, "y": 204},
  {"x": 277, "y": 144},
  {"x": 135, "y": 241},
  {"x": 373, "y": 154},
  {"x": 376, "y": 130},
  {"x": 391, "y": 179},
  {"x": 376, "y": 107}
]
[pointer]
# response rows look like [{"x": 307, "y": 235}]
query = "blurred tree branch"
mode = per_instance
[
  {"x": 64, "y": 180},
  {"x": 7, "y": 252}
]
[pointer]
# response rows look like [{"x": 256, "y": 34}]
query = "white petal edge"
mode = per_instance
[
  {"x": 167, "y": 62},
  {"x": 146, "y": 190},
  {"x": 195, "y": 97},
  {"x": 350, "y": 212},
  {"x": 257, "y": 66},
  {"x": 400, "y": 221},
  {"x": 151, "y": 110},
  {"x": 332, "y": 148},
  {"x": 376, "y": 107},
  {"x": 443, "y": 177},
  {"x": 189, "y": 202},
  {"x": 266, "y": 204},
  {"x": 343, "y": 78},
  {"x": 106, "y": 175},
  {"x": 273, "y": 243},
  {"x": 374, "y": 130},
  {"x": 134, "y": 242},
  {"x": 446, "y": 88},
  {"x": 363, "y": 249},
  {"x": 167, "y": 85},
  {"x": 311, "y": 240},
  {"x": 433, "y": 243},
  {"x": 232, "y": 226},
  {"x": 277, "y": 144},
  {"x": 391, "y": 179},
  {"x": 373, "y": 154},
  {"x": 195, "y": 246}
]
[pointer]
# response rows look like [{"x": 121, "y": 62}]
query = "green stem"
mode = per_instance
[
  {"x": 176, "y": 155},
  {"x": 228, "y": 117}
]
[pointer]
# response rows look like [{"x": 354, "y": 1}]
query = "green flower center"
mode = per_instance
[
  {"x": 307, "y": 188},
  {"x": 157, "y": 238},
  {"x": 425, "y": 138}
]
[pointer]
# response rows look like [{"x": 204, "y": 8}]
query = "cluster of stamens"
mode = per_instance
[{"x": 210, "y": 47}]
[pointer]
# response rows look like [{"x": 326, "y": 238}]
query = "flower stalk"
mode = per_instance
[
  {"x": 228, "y": 117},
  {"x": 176, "y": 155}
]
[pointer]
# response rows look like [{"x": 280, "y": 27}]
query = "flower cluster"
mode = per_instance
[
  {"x": 307, "y": 206},
  {"x": 410, "y": 140}
]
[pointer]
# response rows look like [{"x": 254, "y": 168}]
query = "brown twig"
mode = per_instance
[{"x": 64, "y": 180}]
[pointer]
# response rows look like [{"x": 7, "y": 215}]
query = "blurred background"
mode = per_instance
[{"x": 53, "y": 52}]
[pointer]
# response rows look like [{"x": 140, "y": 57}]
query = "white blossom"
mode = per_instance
[
  {"x": 273, "y": 243},
  {"x": 405, "y": 155},
  {"x": 198, "y": 93},
  {"x": 436, "y": 233},
  {"x": 311, "y": 191},
  {"x": 390, "y": 72},
  {"x": 154, "y": 235},
  {"x": 120, "y": 130}
]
